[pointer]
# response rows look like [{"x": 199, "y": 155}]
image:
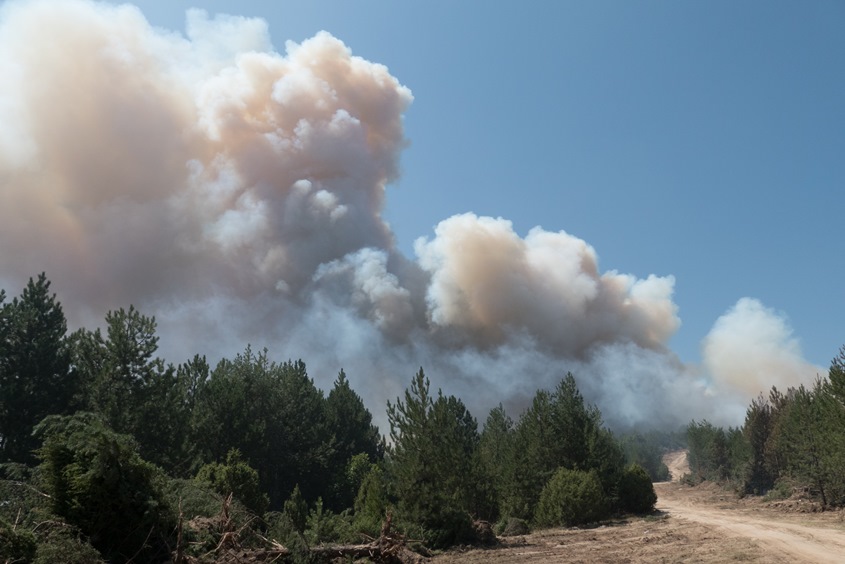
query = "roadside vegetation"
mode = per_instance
[
  {"x": 108, "y": 453},
  {"x": 792, "y": 442}
]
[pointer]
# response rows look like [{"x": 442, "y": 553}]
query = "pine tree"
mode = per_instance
[
  {"x": 134, "y": 391},
  {"x": 271, "y": 413},
  {"x": 432, "y": 462},
  {"x": 350, "y": 423},
  {"x": 97, "y": 481},
  {"x": 35, "y": 368},
  {"x": 558, "y": 431},
  {"x": 495, "y": 452},
  {"x": 757, "y": 430}
]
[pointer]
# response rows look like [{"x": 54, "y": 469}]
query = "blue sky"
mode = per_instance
[{"x": 701, "y": 140}]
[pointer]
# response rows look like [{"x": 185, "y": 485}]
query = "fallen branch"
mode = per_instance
[{"x": 388, "y": 548}]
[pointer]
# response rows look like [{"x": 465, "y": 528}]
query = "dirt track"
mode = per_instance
[
  {"x": 819, "y": 540},
  {"x": 700, "y": 524}
]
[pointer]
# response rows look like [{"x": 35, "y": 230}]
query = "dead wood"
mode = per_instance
[{"x": 389, "y": 548}]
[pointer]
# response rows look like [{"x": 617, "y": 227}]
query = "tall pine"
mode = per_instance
[{"x": 35, "y": 368}]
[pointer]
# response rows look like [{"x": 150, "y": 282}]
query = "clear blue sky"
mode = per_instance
[{"x": 704, "y": 140}]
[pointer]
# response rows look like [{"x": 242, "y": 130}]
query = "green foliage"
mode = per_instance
[
  {"x": 350, "y": 423},
  {"x": 803, "y": 438},
  {"x": 99, "y": 483},
  {"x": 371, "y": 502},
  {"x": 782, "y": 489},
  {"x": 35, "y": 368},
  {"x": 281, "y": 529},
  {"x": 796, "y": 437},
  {"x": 21, "y": 500},
  {"x": 297, "y": 510},
  {"x": 235, "y": 477},
  {"x": 646, "y": 449},
  {"x": 195, "y": 499},
  {"x": 271, "y": 413},
  {"x": 606, "y": 459},
  {"x": 132, "y": 389},
  {"x": 558, "y": 431},
  {"x": 495, "y": 454},
  {"x": 571, "y": 497},
  {"x": 636, "y": 492},
  {"x": 447, "y": 526},
  {"x": 710, "y": 451},
  {"x": 262, "y": 430},
  {"x": 15, "y": 545},
  {"x": 357, "y": 469},
  {"x": 512, "y": 526},
  {"x": 323, "y": 525},
  {"x": 759, "y": 421},
  {"x": 66, "y": 547},
  {"x": 432, "y": 462},
  {"x": 205, "y": 514}
]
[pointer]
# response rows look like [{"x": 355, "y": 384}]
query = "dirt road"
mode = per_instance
[
  {"x": 702, "y": 524},
  {"x": 820, "y": 540},
  {"x": 677, "y": 464},
  {"x": 793, "y": 541}
]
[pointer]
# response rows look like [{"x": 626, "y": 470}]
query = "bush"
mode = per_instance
[
  {"x": 447, "y": 527},
  {"x": 690, "y": 479},
  {"x": 64, "y": 546},
  {"x": 325, "y": 526},
  {"x": 297, "y": 510},
  {"x": 512, "y": 526},
  {"x": 15, "y": 545},
  {"x": 780, "y": 491},
  {"x": 194, "y": 498},
  {"x": 202, "y": 510},
  {"x": 636, "y": 492},
  {"x": 98, "y": 483},
  {"x": 238, "y": 478},
  {"x": 371, "y": 503},
  {"x": 571, "y": 497},
  {"x": 281, "y": 528}
]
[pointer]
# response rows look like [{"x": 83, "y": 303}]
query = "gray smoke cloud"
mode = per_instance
[{"x": 236, "y": 193}]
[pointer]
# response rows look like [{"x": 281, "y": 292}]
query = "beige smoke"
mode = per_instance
[
  {"x": 489, "y": 283},
  {"x": 139, "y": 166},
  {"x": 751, "y": 348}
]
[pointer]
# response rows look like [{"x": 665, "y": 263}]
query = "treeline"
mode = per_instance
[
  {"x": 107, "y": 452},
  {"x": 792, "y": 440}
]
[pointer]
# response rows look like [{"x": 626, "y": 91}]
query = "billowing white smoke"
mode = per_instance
[
  {"x": 138, "y": 164},
  {"x": 236, "y": 193},
  {"x": 751, "y": 348},
  {"x": 488, "y": 283}
]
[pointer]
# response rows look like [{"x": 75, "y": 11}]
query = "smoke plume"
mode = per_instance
[
  {"x": 751, "y": 348},
  {"x": 236, "y": 193}
]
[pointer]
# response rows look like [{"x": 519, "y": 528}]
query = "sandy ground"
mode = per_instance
[{"x": 700, "y": 524}]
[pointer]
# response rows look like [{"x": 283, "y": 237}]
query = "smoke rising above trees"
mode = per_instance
[{"x": 236, "y": 192}]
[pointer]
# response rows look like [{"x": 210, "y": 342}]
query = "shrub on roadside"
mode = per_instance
[
  {"x": 636, "y": 492},
  {"x": 571, "y": 497},
  {"x": 448, "y": 527},
  {"x": 512, "y": 526},
  {"x": 690, "y": 479}
]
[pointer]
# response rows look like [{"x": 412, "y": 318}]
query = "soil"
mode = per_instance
[{"x": 697, "y": 524}]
